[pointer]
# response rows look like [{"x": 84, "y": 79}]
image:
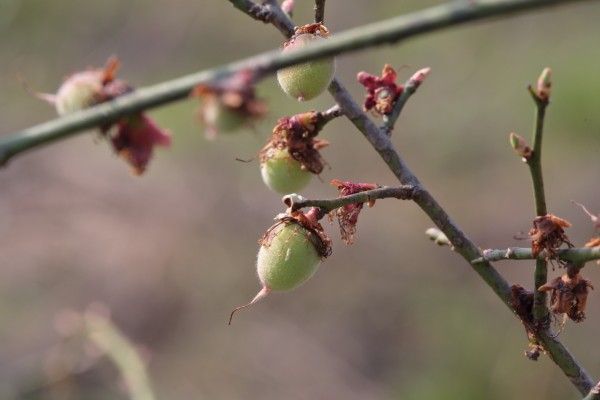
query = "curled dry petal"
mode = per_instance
[
  {"x": 568, "y": 295},
  {"x": 548, "y": 234},
  {"x": 382, "y": 91},
  {"x": 135, "y": 139},
  {"x": 296, "y": 134},
  {"x": 347, "y": 215}
]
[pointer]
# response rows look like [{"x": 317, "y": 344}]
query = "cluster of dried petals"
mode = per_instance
[
  {"x": 382, "y": 91},
  {"x": 548, "y": 234},
  {"x": 347, "y": 215},
  {"x": 309, "y": 221},
  {"x": 520, "y": 146},
  {"x": 297, "y": 135},
  {"x": 568, "y": 295},
  {"x": 135, "y": 138},
  {"x": 235, "y": 97},
  {"x": 316, "y": 28}
]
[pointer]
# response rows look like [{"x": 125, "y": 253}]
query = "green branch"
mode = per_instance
[
  {"x": 296, "y": 202},
  {"x": 388, "y": 31},
  {"x": 574, "y": 255},
  {"x": 540, "y": 310}
]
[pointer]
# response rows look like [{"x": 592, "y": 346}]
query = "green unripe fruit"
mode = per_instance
[
  {"x": 221, "y": 118},
  {"x": 308, "y": 80},
  {"x": 289, "y": 259},
  {"x": 78, "y": 92},
  {"x": 282, "y": 173}
]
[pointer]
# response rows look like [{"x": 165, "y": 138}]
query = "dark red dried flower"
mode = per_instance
[
  {"x": 568, "y": 295},
  {"x": 229, "y": 105},
  {"x": 347, "y": 215},
  {"x": 382, "y": 91},
  {"x": 135, "y": 139},
  {"x": 297, "y": 135},
  {"x": 521, "y": 301},
  {"x": 548, "y": 234}
]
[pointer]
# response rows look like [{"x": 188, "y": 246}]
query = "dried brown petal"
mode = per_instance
[
  {"x": 347, "y": 215},
  {"x": 548, "y": 234},
  {"x": 568, "y": 295}
]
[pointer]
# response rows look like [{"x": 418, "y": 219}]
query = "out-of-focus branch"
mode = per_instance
[
  {"x": 392, "y": 30},
  {"x": 573, "y": 255},
  {"x": 296, "y": 202}
]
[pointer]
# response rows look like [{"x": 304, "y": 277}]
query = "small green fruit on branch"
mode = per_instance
[
  {"x": 290, "y": 253},
  {"x": 307, "y": 80},
  {"x": 438, "y": 237},
  {"x": 229, "y": 105},
  {"x": 132, "y": 137},
  {"x": 291, "y": 155}
]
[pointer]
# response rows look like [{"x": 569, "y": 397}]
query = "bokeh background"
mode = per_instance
[{"x": 172, "y": 252}]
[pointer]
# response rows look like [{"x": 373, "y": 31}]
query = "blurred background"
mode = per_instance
[{"x": 172, "y": 252}]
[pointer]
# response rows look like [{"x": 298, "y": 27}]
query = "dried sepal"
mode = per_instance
[
  {"x": 296, "y": 134},
  {"x": 229, "y": 104},
  {"x": 569, "y": 294},
  {"x": 593, "y": 242},
  {"x": 548, "y": 234},
  {"x": 134, "y": 140},
  {"x": 309, "y": 221},
  {"x": 316, "y": 28},
  {"x": 347, "y": 215},
  {"x": 520, "y": 146},
  {"x": 382, "y": 91}
]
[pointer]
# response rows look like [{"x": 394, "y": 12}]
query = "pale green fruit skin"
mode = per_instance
[
  {"x": 78, "y": 92},
  {"x": 222, "y": 118},
  {"x": 283, "y": 174},
  {"x": 289, "y": 260},
  {"x": 306, "y": 81}
]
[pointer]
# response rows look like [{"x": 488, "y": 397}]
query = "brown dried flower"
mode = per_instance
[
  {"x": 568, "y": 295},
  {"x": 347, "y": 215},
  {"x": 548, "y": 234},
  {"x": 382, "y": 91},
  {"x": 296, "y": 134},
  {"x": 229, "y": 105}
]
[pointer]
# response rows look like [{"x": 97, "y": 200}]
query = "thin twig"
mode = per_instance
[
  {"x": 388, "y": 31},
  {"x": 323, "y": 118},
  {"x": 573, "y": 255},
  {"x": 410, "y": 87},
  {"x": 320, "y": 11},
  {"x": 540, "y": 310},
  {"x": 462, "y": 244},
  {"x": 295, "y": 201}
]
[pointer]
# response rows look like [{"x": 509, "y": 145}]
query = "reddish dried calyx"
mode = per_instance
[
  {"x": 229, "y": 105},
  {"x": 297, "y": 135},
  {"x": 568, "y": 294},
  {"x": 133, "y": 137},
  {"x": 382, "y": 91},
  {"x": 548, "y": 234},
  {"x": 347, "y": 215}
]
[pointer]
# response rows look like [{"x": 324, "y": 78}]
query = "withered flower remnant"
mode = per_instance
[
  {"x": 548, "y": 234},
  {"x": 229, "y": 105},
  {"x": 347, "y": 215},
  {"x": 382, "y": 91},
  {"x": 292, "y": 153},
  {"x": 569, "y": 294},
  {"x": 132, "y": 137}
]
